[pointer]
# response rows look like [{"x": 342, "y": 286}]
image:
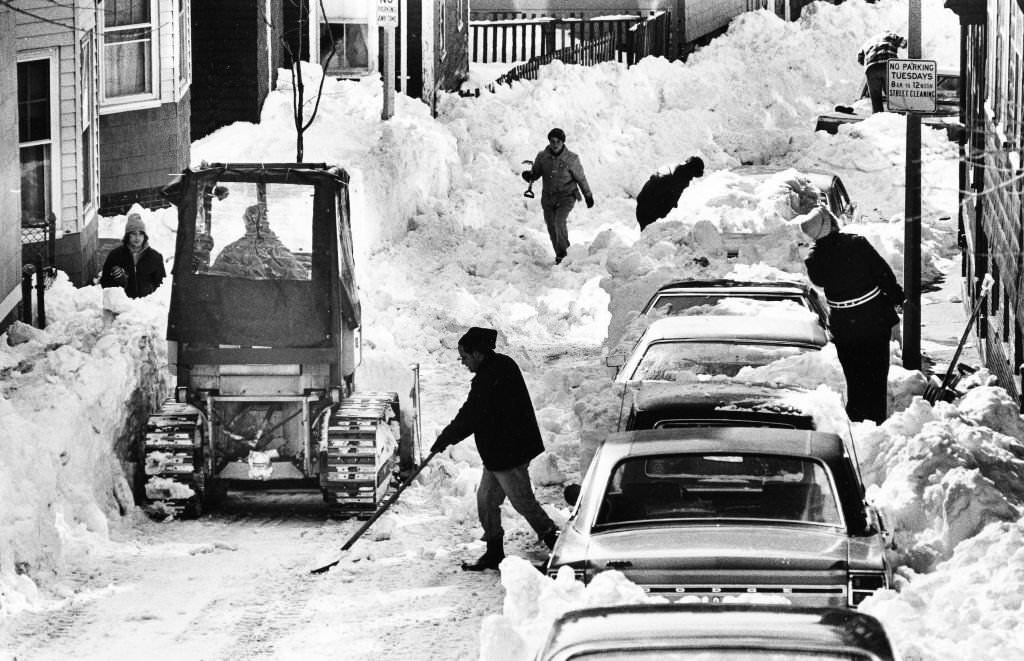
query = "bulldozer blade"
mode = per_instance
[{"x": 324, "y": 564}]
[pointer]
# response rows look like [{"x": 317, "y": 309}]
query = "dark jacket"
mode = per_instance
[
  {"x": 659, "y": 196},
  {"x": 143, "y": 278},
  {"x": 499, "y": 413},
  {"x": 562, "y": 175},
  {"x": 847, "y": 266}
]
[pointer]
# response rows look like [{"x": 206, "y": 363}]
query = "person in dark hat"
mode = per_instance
[
  {"x": 564, "y": 184},
  {"x": 499, "y": 414},
  {"x": 862, "y": 294},
  {"x": 661, "y": 192},
  {"x": 134, "y": 265}
]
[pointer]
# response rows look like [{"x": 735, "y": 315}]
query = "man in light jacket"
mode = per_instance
[{"x": 563, "y": 182}]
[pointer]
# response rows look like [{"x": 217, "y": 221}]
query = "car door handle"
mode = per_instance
[{"x": 618, "y": 564}]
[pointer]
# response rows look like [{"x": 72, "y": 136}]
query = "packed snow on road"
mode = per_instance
[{"x": 445, "y": 240}]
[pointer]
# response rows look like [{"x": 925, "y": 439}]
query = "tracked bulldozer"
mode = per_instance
[{"x": 263, "y": 344}]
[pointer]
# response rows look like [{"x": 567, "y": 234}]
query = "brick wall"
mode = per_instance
[{"x": 139, "y": 150}]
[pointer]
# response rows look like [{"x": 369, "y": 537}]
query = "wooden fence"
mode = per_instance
[
  {"x": 516, "y": 40},
  {"x": 586, "y": 53}
]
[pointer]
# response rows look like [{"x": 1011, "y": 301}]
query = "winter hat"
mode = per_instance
[
  {"x": 817, "y": 223},
  {"x": 556, "y": 133},
  {"x": 479, "y": 339},
  {"x": 135, "y": 224}
]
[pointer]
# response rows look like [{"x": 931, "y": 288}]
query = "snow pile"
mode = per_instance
[{"x": 67, "y": 397}]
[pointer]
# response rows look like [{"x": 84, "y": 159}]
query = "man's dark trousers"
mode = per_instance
[
  {"x": 556, "y": 213},
  {"x": 865, "y": 364}
]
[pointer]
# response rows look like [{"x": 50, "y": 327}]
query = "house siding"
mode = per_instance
[
  {"x": 140, "y": 150},
  {"x": 10, "y": 171}
]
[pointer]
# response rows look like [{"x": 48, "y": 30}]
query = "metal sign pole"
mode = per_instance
[
  {"x": 387, "y": 19},
  {"x": 912, "y": 214}
]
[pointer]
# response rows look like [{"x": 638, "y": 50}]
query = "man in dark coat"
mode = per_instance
[
  {"x": 862, "y": 294},
  {"x": 564, "y": 181},
  {"x": 875, "y": 55},
  {"x": 133, "y": 265},
  {"x": 499, "y": 414},
  {"x": 661, "y": 192}
]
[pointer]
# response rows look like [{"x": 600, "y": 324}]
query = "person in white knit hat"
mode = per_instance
[{"x": 134, "y": 265}]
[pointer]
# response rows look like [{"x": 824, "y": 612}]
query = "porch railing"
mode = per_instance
[
  {"x": 517, "y": 40},
  {"x": 585, "y": 53}
]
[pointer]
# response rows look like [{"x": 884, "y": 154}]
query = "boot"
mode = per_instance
[
  {"x": 489, "y": 560},
  {"x": 549, "y": 539}
]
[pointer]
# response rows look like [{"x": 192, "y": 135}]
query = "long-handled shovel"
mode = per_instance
[
  {"x": 376, "y": 515},
  {"x": 933, "y": 394}
]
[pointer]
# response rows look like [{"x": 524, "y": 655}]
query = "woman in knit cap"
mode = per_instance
[
  {"x": 862, "y": 294},
  {"x": 134, "y": 265},
  {"x": 499, "y": 414}
]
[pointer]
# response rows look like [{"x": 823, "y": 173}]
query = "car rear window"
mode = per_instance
[
  {"x": 681, "y": 361},
  {"x": 673, "y": 304},
  {"x": 717, "y": 486}
]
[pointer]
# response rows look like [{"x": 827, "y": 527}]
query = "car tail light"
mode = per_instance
[{"x": 864, "y": 584}]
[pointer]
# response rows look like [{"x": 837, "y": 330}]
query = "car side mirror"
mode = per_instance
[
  {"x": 615, "y": 360},
  {"x": 571, "y": 493}
]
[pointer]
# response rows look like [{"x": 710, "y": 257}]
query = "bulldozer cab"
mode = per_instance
[{"x": 263, "y": 269}]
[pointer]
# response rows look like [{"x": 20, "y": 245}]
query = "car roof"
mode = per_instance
[
  {"x": 789, "y": 329},
  {"x": 694, "y": 440},
  {"x": 723, "y": 283},
  {"x": 822, "y": 179},
  {"x": 707, "y": 626}
]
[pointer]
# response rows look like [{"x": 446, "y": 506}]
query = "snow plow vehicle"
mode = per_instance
[{"x": 263, "y": 343}]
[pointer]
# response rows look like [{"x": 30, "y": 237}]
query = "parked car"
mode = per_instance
[
  {"x": 945, "y": 117},
  {"x": 727, "y": 632},
  {"x": 833, "y": 195},
  {"x": 724, "y": 511},
  {"x": 677, "y": 348},
  {"x": 677, "y": 297},
  {"x": 672, "y": 406}
]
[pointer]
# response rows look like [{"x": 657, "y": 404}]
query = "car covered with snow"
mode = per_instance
[
  {"x": 718, "y": 512},
  {"x": 727, "y": 632},
  {"x": 690, "y": 296},
  {"x": 686, "y": 348},
  {"x": 715, "y": 404},
  {"x": 946, "y": 116}
]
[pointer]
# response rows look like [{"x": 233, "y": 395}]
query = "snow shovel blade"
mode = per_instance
[
  {"x": 388, "y": 502},
  {"x": 528, "y": 193}
]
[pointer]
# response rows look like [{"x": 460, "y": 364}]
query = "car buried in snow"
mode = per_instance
[
  {"x": 727, "y": 632},
  {"x": 684, "y": 348},
  {"x": 684, "y": 296},
  {"x": 720, "y": 512},
  {"x": 946, "y": 116}
]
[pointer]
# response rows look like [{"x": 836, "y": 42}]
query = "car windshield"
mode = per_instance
[
  {"x": 719, "y": 654},
  {"x": 717, "y": 486},
  {"x": 673, "y": 304},
  {"x": 681, "y": 361}
]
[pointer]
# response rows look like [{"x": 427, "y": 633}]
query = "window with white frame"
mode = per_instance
[
  {"x": 36, "y": 135},
  {"x": 129, "y": 51},
  {"x": 184, "y": 43},
  {"x": 346, "y": 26},
  {"x": 88, "y": 76}
]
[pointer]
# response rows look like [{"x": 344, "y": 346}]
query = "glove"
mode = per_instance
[
  {"x": 439, "y": 445},
  {"x": 528, "y": 176},
  {"x": 590, "y": 201}
]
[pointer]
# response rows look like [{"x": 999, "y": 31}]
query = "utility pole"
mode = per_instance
[{"x": 912, "y": 215}]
